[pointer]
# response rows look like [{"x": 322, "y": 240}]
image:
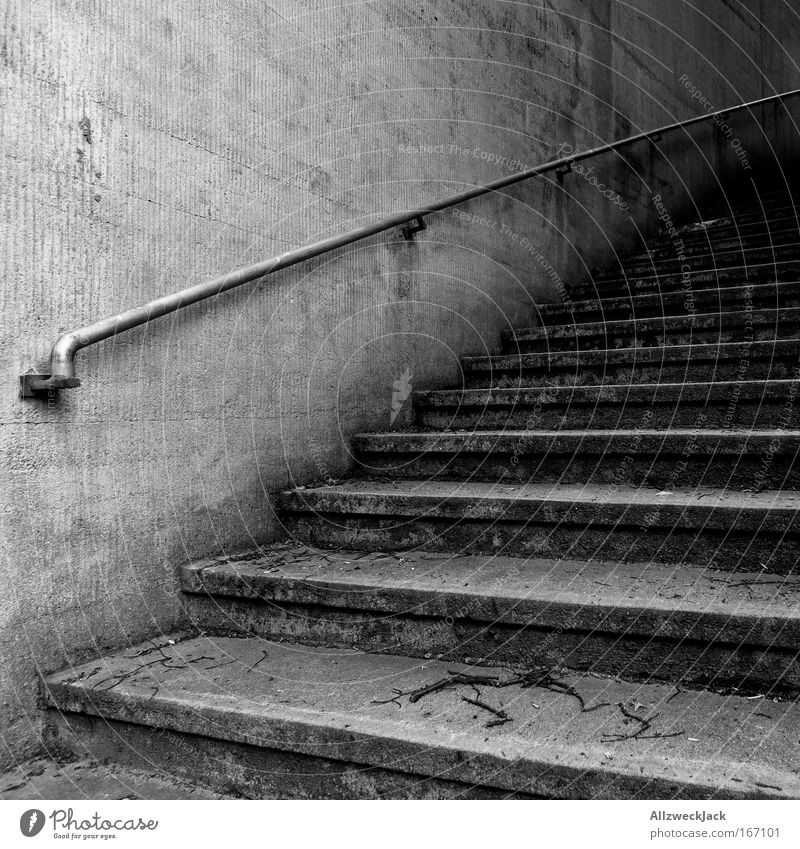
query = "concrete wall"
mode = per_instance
[{"x": 149, "y": 144}]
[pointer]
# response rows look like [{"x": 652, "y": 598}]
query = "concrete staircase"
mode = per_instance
[{"x": 574, "y": 577}]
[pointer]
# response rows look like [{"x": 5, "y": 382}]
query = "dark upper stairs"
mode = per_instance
[{"x": 573, "y": 576}]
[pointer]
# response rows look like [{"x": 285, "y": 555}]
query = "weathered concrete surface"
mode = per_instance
[
  {"x": 762, "y": 360},
  {"x": 695, "y": 280},
  {"x": 719, "y": 405},
  {"x": 719, "y": 258},
  {"x": 700, "y": 252},
  {"x": 633, "y": 455},
  {"x": 766, "y": 221},
  {"x": 728, "y": 247},
  {"x": 255, "y": 772},
  {"x": 776, "y": 294},
  {"x": 733, "y": 326},
  {"x": 652, "y": 600},
  {"x": 636, "y": 621},
  {"x": 770, "y": 213},
  {"x": 327, "y": 703},
  {"x": 91, "y": 779},
  {"x": 736, "y": 531},
  {"x": 148, "y": 146},
  {"x": 647, "y": 393}
]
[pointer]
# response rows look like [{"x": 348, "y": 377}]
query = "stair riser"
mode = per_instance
[
  {"x": 253, "y": 772},
  {"x": 624, "y": 374},
  {"x": 710, "y": 300},
  {"x": 626, "y": 336},
  {"x": 695, "y": 281},
  {"x": 734, "y": 550},
  {"x": 448, "y": 632},
  {"x": 614, "y": 415},
  {"x": 634, "y": 469}
]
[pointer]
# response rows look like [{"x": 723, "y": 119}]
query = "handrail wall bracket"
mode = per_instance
[
  {"x": 563, "y": 170},
  {"x": 37, "y": 385},
  {"x": 417, "y": 227}
]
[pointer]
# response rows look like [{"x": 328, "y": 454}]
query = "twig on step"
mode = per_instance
[
  {"x": 263, "y": 658},
  {"x": 502, "y": 716},
  {"x": 645, "y": 724},
  {"x": 678, "y": 691},
  {"x": 453, "y": 679}
]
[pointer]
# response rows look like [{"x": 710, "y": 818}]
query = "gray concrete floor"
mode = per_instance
[{"x": 89, "y": 779}]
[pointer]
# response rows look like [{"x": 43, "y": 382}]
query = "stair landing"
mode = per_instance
[{"x": 542, "y": 734}]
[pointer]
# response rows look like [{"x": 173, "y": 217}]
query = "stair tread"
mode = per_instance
[
  {"x": 617, "y": 301},
  {"x": 778, "y": 221},
  {"x": 324, "y": 702},
  {"x": 710, "y": 433},
  {"x": 777, "y": 499},
  {"x": 701, "y": 390},
  {"x": 643, "y": 439},
  {"x": 697, "y": 320},
  {"x": 672, "y": 280},
  {"x": 708, "y": 241},
  {"x": 647, "y": 599},
  {"x": 716, "y": 257},
  {"x": 715, "y": 249},
  {"x": 649, "y": 353}
]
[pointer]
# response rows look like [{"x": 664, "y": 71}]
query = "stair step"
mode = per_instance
[
  {"x": 740, "y": 222},
  {"x": 778, "y": 359},
  {"x": 765, "y": 295},
  {"x": 705, "y": 526},
  {"x": 662, "y": 263},
  {"x": 721, "y": 404},
  {"x": 711, "y": 241},
  {"x": 635, "y": 457},
  {"x": 693, "y": 281},
  {"x": 724, "y": 229},
  {"x": 751, "y": 196},
  {"x": 738, "y": 326},
  {"x": 240, "y": 704},
  {"x": 638, "y": 622},
  {"x": 727, "y": 225},
  {"x": 763, "y": 208}
]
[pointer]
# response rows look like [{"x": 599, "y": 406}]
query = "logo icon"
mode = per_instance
[
  {"x": 401, "y": 390},
  {"x": 31, "y": 822}
]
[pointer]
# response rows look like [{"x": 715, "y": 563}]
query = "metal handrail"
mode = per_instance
[{"x": 62, "y": 356}]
